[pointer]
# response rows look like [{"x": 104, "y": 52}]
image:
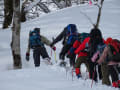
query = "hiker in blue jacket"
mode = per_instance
[
  {"x": 36, "y": 43},
  {"x": 68, "y": 35}
]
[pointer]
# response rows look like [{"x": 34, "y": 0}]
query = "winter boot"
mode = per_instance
[
  {"x": 78, "y": 73},
  {"x": 48, "y": 61},
  {"x": 115, "y": 84},
  {"x": 63, "y": 64},
  {"x": 118, "y": 83}
]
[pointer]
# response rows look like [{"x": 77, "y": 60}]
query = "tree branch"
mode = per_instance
[{"x": 99, "y": 15}]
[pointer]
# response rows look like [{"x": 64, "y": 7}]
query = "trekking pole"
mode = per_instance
[
  {"x": 55, "y": 57},
  {"x": 72, "y": 74},
  {"x": 93, "y": 77},
  {"x": 51, "y": 52},
  {"x": 66, "y": 70}
]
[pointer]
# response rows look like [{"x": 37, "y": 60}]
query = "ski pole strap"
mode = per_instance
[
  {"x": 72, "y": 73},
  {"x": 55, "y": 57},
  {"x": 93, "y": 74},
  {"x": 92, "y": 78}
]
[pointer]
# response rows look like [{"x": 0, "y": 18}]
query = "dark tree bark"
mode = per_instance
[
  {"x": 57, "y": 3},
  {"x": 23, "y": 14},
  {"x": 99, "y": 14},
  {"x": 8, "y": 13},
  {"x": 43, "y": 7},
  {"x": 15, "y": 44},
  {"x": 68, "y": 3}
]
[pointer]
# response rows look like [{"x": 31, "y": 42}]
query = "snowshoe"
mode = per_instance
[
  {"x": 63, "y": 64},
  {"x": 48, "y": 61}
]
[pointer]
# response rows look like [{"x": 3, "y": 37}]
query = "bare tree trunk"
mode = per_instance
[
  {"x": 99, "y": 14},
  {"x": 58, "y": 5},
  {"x": 77, "y": 2},
  {"x": 81, "y": 1},
  {"x": 68, "y": 3},
  {"x": 44, "y": 7},
  {"x": 15, "y": 44},
  {"x": 1, "y": 12},
  {"x": 23, "y": 12},
  {"x": 8, "y": 13}
]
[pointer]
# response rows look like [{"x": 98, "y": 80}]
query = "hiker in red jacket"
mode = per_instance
[
  {"x": 82, "y": 56},
  {"x": 90, "y": 45}
]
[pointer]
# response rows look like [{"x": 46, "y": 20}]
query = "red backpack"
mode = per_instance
[
  {"x": 116, "y": 44},
  {"x": 115, "y": 48}
]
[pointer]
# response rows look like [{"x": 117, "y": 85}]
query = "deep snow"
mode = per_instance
[{"x": 53, "y": 77}]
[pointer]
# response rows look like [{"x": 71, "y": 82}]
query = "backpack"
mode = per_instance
[
  {"x": 83, "y": 36},
  {"x": 34, "y": 39},
  {"x": 115, "y": 49},
  {"x": 71, "y": 33},
  {"x": 115, "y": 46}
]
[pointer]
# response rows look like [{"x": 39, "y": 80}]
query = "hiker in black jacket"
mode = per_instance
[{"x": 68, "y": 35}]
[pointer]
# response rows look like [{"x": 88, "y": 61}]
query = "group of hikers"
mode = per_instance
[{"x": 100, "y": 56}]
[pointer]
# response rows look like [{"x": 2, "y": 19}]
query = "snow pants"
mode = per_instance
[
  {"x": 64, "y": 51},
  {"x": 113, "y": 72},
  {"x": 81, "y": 60},
  {"x": 37, "y": 52},
  {"x": 92, "y": 71},
  {"x": 105, "y": 74}
]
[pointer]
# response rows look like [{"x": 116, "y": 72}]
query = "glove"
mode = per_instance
[
  {"x": 95, "y": 56},
  {"x": 54, "y": 48},
  {"x": 68, "y": 55},
  {"x": 27, "y": 56}
]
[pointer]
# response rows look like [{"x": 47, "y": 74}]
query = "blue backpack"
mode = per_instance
[
  {"x": 72, "y": 33},
  {"x": 35, "y": 39}
]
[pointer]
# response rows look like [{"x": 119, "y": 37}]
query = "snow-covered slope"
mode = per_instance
[{"x": 54, "y": 77}]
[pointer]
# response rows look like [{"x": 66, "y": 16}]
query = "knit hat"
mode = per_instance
[{"x": 37, "y": 30}]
